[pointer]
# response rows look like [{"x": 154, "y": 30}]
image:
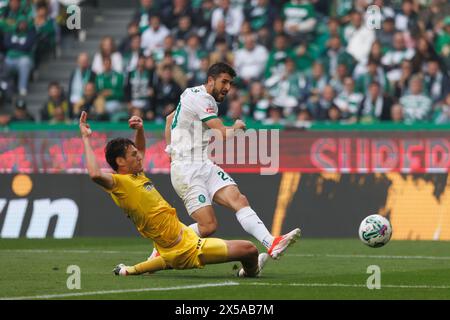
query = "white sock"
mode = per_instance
[
  {"x": 194, "y": 227},
  {"x": 251, "y": 223}
]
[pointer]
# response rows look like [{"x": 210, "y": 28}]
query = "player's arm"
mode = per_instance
[
  {"x": 95, "y": 173},
  {"x": 137, "y": 124},
  {"x": 226, "y": 131},
  {"x": 169, "y": 120}
]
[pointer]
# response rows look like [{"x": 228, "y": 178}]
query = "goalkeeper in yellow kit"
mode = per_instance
[{"x": 179, "y": 247}]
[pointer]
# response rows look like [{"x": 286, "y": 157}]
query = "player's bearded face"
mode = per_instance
[{"x": 221, "y": 87}]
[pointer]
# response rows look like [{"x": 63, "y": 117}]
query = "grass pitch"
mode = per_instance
[{"x": 311, "y": 269}]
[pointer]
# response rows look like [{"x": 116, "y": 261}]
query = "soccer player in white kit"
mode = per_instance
[{"x": 196, "y": 179}]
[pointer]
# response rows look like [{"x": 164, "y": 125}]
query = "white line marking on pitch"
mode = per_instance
[
  {"x": 92, "y": 293},
  {"x": 400, "y": 286},
  {"x": 222, "y": 284}
]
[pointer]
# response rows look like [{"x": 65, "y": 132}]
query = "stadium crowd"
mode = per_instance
[{"x": 297, "y": 61}]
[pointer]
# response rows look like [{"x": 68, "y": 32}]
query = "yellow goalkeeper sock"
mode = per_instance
[{"x": 151, "y": 266}]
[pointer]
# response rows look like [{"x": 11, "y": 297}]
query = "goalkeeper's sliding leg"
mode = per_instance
[{"x": 206, "y": 251}]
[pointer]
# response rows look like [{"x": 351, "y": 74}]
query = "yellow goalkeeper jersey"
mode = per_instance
[{"x": 153, "y": 216}]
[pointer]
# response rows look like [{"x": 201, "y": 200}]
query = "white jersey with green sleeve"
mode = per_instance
[{"x": 189, "y": 134}]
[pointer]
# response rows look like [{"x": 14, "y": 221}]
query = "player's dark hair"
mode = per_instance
[
  {"x": 117, "y": 148},
  {"x": 218, "y": 68}
]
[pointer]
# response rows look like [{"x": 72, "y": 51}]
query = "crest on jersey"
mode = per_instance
[{"x": 148, "y": 186}]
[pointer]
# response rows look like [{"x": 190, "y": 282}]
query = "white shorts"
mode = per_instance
[{"x": 196, "y": 183}]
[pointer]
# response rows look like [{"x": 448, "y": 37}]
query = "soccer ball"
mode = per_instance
[{"x": 375, "y": 231}]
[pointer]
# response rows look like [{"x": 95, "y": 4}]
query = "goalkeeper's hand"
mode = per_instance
[{"x": 85, "y": 129}]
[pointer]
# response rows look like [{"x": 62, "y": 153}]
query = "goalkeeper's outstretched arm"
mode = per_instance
[{"x": 102, "y": 178}]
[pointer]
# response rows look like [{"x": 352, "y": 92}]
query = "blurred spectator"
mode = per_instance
[
  {"x": 200, "y": 76},
  {"x": 92, "y": 103},
  {"x": 303, "y": 57},
  {"x": 194, "y": 54},
  {"x": 317, "y": 80},
  {"x": 202, "y": 17},
  {"x": 300, "y": 19},
  {"x": 167, "y": 93},
  {"x": 397, "y": 113},
  {"x": 278, "y": 55},
  {"x": 178, "y": 74},
  {"x": 138, "y": 90},
  {"x": 442, "y": 111},
  {"x": 110, "y": 85},
  {"x": 336, "y": 54},
  {"x": 154, "y": 36},
  {"x": 431, "y": 19},
  {"x": 56, "y": 104},
  {"x": 251, "y": 60},
  {"x": 402, "y": 85},
  {"x": 246, "y": 30},
  {"x": 288, "y": 89},
  {"x": 183, "y": 31},
  {"x": 373, "y": 73},
  {"x": 46, "y": 31},
  {"x": 437, "y": 84},
  {"x": 132, "y": 31},
  {"x": 442, "y": 42},
  {"x": 232, "y": 16},
  {"x": 179, "y": 55},
  {"x": 334, "y": 114},
  {"x": 416, "y": 105},
  {"x": 424, "y": 53},
  {"x": 303, "y": 119},
  {"x": 11, "y": 14},
  {"x": 79, "y": 78},
  {"x": 274, "y": 116},
  {"x": 146, "y": 9},
  {"x": 406, "y": 20},
  {"x": 385, "y": 35},
  {"x": 218, "y": 35},
  {"x": 260, "y": 14},
  {"x": 333, "y": 29},
  {"x": 348, "y": 100},
  {"x": 131, "y": 56},
  {"x": 257, "y": 102},
  {"x": 318, "y": 105},
  {"x": 174, "y": 12},
  {"x": 107, "y": 50},
  {"x": 59, "y": 116},
  {"x": 21, "y": 113},
  {"x": 337, "y": 80},
  {"x": 393, "y": 58},
  {"x": 19, "y": 54},
  {"x": 375, "y": 106},
  {"x": 235, "y": 111},
  {"x": 221, "y": 53}
]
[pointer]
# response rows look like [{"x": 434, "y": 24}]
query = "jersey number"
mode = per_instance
[{"x": 224, "y": 176}]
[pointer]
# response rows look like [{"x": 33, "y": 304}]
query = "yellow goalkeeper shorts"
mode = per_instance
[{"x": 194, "y": 252}]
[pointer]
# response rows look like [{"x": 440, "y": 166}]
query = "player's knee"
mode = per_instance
[
  {"x": 251, "y": 249},
  {"x": 207, "y": 229}
]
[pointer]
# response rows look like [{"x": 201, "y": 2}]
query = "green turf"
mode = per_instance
[{"x": 312, "y": 269}]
